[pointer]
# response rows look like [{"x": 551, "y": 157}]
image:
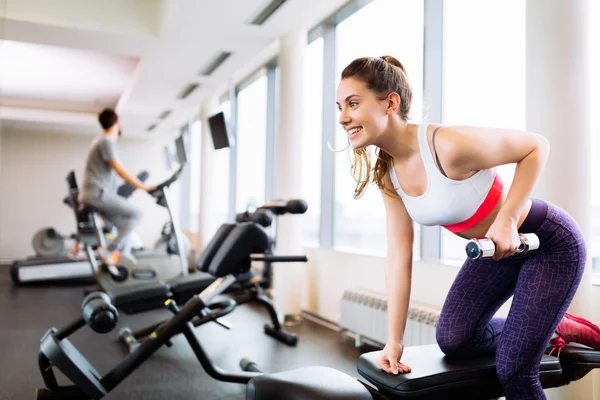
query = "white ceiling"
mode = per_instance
[
  {"x": 35, "y": 75},
  {"x": 62, "y": 61}
]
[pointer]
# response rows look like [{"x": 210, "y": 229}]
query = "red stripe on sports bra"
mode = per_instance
[{"x": 484, "y": 209}]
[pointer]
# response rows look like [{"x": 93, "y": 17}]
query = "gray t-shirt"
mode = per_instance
[{"x": 98, "y": 176}]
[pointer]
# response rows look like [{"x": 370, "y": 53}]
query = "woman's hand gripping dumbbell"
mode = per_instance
[{"x": 484, "y": 248}]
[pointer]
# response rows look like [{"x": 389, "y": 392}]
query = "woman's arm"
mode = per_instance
[
  {"x": 471, "y": 149},
  {"x": 400, "y": 236},
  {"x": 127, "y": 176},
  {"x": 467, "y": 149}
]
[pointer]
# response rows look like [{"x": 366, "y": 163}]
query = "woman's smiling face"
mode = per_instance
[{"x": 362, "y": 115}]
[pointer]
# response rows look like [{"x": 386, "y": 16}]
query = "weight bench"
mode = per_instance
[
  {"x": 433, "y": 376},
  {"x": 153, "y": 295}
]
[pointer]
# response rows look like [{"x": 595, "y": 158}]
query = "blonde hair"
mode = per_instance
[{"x": 382, "y": 75}]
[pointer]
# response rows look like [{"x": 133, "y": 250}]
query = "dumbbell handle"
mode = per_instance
[{"x": 484, "y": 248}]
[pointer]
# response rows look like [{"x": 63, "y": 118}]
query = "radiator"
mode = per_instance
[{"x": 364, "y": 313}]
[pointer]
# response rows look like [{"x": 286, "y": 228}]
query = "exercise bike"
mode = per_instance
[
  {"x": 52, "y": 262},
  {"x": 48, "y": 242},
  {"x": 140, "y": 268}
]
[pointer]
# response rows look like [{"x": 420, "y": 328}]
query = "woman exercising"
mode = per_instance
[{"x": 445, "y": 175}]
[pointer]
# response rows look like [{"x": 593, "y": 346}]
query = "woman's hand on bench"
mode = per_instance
[{"x": 389, "y": 360}]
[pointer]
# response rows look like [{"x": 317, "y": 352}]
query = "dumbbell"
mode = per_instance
[
  {"x": 99, "y": 313},
  {"x": 484, "y": 248}
]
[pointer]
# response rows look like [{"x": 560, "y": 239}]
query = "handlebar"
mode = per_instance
[
  {"x": 261, "y": 217},
  {"x": 280, "y": 207},
  {"x": 159, "y": 188}
]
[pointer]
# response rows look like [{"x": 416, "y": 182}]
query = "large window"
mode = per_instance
[
  {"x": 195, "y": 140},
  {"x": 251, "y": 139},
  {"x": 383, "y": 27},
  {"x": 311, "y": 140},
  {"x": 484, "y": 75}
]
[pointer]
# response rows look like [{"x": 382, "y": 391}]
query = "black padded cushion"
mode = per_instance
[
  {"x": 434, "y": 373},
  {"x": 184, "y": 287},
  {"x": 233, "y": 257},
  {"x": 213, "y": 246},
  {"x": 133, "y": 299},
  {"x": 310, "y": 383}
]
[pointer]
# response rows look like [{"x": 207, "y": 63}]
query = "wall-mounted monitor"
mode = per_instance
[
  {"x": 218, "y": 130},
  {"x": 181, "y": 149}
]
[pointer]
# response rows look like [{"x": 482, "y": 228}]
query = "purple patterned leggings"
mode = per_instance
[{"x": 543, "y": 283}]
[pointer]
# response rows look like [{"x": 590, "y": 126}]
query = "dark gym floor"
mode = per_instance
[{"x": 171, "y": 373}]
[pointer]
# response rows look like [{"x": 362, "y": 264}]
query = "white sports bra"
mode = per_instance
[{"x": 457, "y": 205}]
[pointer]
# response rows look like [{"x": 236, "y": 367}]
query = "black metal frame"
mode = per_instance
[
  {"x": 194, "y": 313},
  {"x": 56, "y": 351},
  {"x": 180, "y": 323}
]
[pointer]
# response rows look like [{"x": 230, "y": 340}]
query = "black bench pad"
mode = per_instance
[
  {"x": 142, "y": 297},
  {"x": 184, "y": 287},
  {"x": 434, "y": 373}
]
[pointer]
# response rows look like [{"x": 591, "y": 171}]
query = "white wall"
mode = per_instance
[{"x": 33, "y": 185}]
